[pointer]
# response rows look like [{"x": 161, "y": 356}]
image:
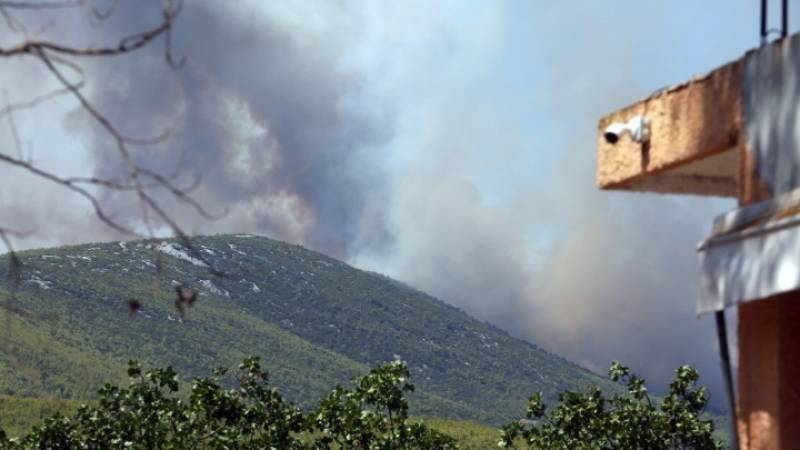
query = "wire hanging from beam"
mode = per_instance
[
  {"x": 784, "y": 18},
  {"x": 783, "y": 31}
]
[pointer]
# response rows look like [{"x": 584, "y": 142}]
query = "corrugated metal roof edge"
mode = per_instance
[{"x": 772, "y": 214}]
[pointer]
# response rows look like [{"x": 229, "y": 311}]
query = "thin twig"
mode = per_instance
[
  {"x": 133, "y": 171},
  {"x": 42, "y": 5},
  {"x": 16, "y": 25},
  {"x": 14, "y": 266},
  {"x": 125, "y": 45},
  {"x": 58, "y": 58},
  {"x": 98, "y": 15},
  {"x": 101, "y": 214},
  {"x": 13, "y": 107},
  {"x": 182, "y": 194},
  {"x": 12, "y": 125},
  {"x": 13, "y": 23}
]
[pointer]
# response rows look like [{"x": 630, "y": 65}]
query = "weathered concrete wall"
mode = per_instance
[
  {"x": 771, "y": 107},
  {"x": 769, "y": 374},
  {"x": 689, "y": 124},
  {"x": 769, "y": 336},
  {"x": 747, "y": 109},
  {"x": 736, "y": 132}
]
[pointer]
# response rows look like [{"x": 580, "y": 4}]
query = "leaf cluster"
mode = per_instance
[
  {"x": 374, "y": 415},
  {"x": 153, "y": 413},
  {"x": 241, "y": 410},
  {"x": 590, "y": 420}
]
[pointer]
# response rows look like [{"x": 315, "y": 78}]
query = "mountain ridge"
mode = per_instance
[{"x": 316, "y": 321}]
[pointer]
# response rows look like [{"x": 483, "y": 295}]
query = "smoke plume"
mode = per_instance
[{"x": 448, "y": 146}]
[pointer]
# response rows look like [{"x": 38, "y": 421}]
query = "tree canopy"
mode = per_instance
[
  {"x": 591, "y": 420},
  {"x": 240, "y": 410},
  {"x": 153, "y": 413}
]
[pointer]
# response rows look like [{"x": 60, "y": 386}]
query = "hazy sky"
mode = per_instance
[{"x": 449, "y": 144}]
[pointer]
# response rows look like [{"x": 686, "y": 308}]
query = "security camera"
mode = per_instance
[
  {"x": 614, "y": 131},
  {"x": 638, "y": 128}
]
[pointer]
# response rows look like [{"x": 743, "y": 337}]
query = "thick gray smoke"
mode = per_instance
[
  {"x": 450, "y": 147},
  {"x": 259, "y": 112},
  {"x": 511, "y": 227}
]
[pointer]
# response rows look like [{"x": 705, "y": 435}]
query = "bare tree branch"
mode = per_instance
[
  {"x": 98, "y": 209},
  {"x": 182, "y": 194},
  {"x": 126, "y": 45},
  {"x": 18, "y": 26},
  {"x": 96, "y": 13},
  {"x": 100, "y": 15},
  {"x": 42, "y": 5},
  {"x": 182, "y": 237},
  {"x": 13, "y": 107},
  {"x": 168, "y": 40},
  {"x": 14, "y": 267},
  {"x": 13, "y": 126},
  {"x": 13, "y": 23},
  {"x": 133, "y": 170},
  {"x": 59, "y": 59}
]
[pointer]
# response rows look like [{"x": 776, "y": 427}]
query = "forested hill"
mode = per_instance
[{"x": 315, "y": 322}]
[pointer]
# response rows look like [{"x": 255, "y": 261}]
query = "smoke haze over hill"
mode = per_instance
[{"x": 449, "y": 146}]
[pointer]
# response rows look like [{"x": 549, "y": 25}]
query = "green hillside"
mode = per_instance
[
  {"x": 315, "y": 322},
  {"x": 19, "y": 414}
]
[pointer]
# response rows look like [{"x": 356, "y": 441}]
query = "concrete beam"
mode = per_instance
[
  {"x": 695, "y": 129},
  {"x": 734, "y": 131}
]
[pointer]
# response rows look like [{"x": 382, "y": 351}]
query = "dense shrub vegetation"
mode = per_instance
[
  {"x": 242, "y": 411},
  {"x": 152, "y": 413},
  {"x": 313, "y": 320},
  {"x": 590, "y": 420}
]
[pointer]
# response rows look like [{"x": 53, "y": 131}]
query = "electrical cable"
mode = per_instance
[
  {"x": 785, "y": 18},
  {"x": 727, "y": 375}
]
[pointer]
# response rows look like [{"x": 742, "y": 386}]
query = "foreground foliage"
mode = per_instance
[
  {"x": 590, "y": 420},
  {"x": 242, "y": 411},
  {"x": 151, "y": 413}
]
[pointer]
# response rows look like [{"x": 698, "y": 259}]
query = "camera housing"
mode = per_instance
[
  {"x": 638, "y": 128},
  {"x": 614, "y": 131}
]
